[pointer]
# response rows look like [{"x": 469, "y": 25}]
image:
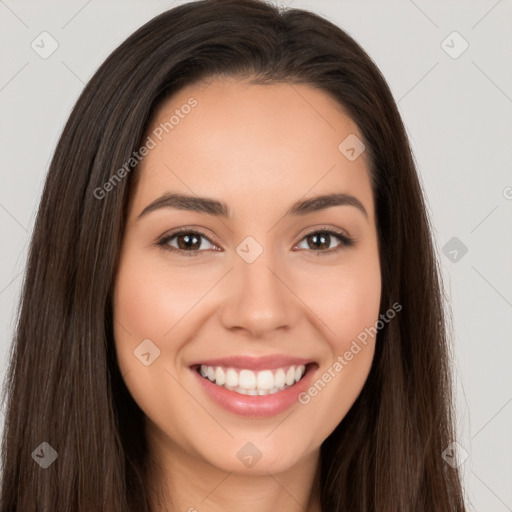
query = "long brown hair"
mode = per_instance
[{"x": 64, "y": 386}]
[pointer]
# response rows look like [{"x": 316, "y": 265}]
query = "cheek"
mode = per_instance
[
  {"x": 345, "y": 297},
  {"x": 350, "y": 309},
  {"x": 148, "y": 303},
  {"x": 144, "y": 308},
  {"x": 359, "y": 302},
  {"x": 149, "y": 300}
]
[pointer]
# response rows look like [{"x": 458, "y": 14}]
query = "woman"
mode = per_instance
[{"x": 232, "y": 300}]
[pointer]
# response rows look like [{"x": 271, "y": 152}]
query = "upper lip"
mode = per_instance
[{"x": 255, "y": 363}]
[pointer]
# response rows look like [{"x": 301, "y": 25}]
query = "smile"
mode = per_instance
[
  {"x": 254, "y": 386},
  {"x": 249, "y": 382}
]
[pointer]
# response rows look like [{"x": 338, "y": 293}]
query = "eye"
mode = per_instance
[
  {"x": 190, "y": 243},
  {"x": 185, "y": 242},
  {"x": 322, "y": 239}
]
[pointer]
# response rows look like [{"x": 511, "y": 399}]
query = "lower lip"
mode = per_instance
[{"x": 256, "y": 405}]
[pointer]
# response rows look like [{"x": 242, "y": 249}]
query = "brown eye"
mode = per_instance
[
  {"x": 321, "y": 242},
  {"x": 185, "y": 241},
  {"x": 188, "y": 241}
]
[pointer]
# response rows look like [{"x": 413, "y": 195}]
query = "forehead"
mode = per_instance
[{"x": 251, "y": 144}]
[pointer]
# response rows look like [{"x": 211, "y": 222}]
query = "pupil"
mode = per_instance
[
  {"x": 188, "y": 241},
  {"x": 322, "y": 239}
]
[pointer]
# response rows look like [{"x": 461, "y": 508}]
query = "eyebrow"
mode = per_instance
[{"x": 221, "y": 209}]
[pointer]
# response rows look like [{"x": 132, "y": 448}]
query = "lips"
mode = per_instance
[{"x": 254, "y": 386}]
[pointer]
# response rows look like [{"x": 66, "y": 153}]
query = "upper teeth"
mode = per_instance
[{"x": 248, "y": 382}]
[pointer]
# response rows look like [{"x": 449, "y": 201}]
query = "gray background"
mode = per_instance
[{"x": 457, "y": 112}]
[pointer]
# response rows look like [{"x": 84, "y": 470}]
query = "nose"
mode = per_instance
[{"x": 258, "y": 298}]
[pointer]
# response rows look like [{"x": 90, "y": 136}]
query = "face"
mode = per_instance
[{"x": 235, "y": 317}]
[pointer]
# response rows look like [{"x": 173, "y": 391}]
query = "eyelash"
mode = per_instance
[{"x": 345, "y": 240}]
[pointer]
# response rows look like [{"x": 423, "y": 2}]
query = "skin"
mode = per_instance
[{"x": 259, "y": 148}]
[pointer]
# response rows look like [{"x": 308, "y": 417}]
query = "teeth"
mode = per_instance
[
  {"x": 247, "y": 382},
  {"x": 265, "y": 380},
  {"x": 290, "y": 376},
  {"x": 280, "y": 378},
  {"x": 299, "y": 372},
  {"x": 220, "y": 376},
  {"x": 231, "y": 378}
]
